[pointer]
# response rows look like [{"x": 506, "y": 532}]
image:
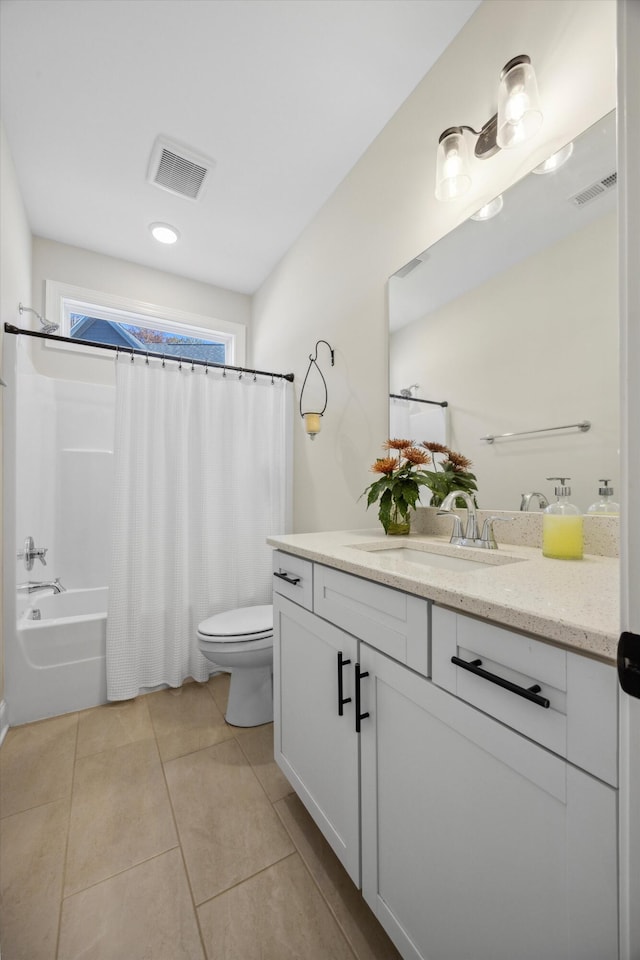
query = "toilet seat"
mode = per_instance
[{"x": 242, "y": 625}]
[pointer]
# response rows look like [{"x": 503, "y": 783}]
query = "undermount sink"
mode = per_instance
[{"x": 443, "y": 560}]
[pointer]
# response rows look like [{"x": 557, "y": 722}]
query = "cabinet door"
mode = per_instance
[
  {"x": 315, "y": 746},
  {"x": 478, "y": 844}
]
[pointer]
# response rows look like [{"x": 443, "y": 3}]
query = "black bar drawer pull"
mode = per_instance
[
  {"x": 341, "y": 700},
  {"x": 529, "y": 693},
  {"x": 359, "y": 676},
  {"x": 287, "y": 578}
]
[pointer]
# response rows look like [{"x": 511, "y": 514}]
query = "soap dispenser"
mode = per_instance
[
  {"x": 606, "y": 504},
  {"x": 562, "y": 526}
]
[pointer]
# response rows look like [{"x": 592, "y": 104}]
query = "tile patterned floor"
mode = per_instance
[{"x": 153, "y": 830}]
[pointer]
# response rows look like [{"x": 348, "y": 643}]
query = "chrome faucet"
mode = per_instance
[
  {"x": 32, "y": 586},
  {"x": 470, "y": 538},
  {"x": 525, "y": 503}
]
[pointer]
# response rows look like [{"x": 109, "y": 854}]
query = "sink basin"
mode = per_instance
[{"x": 443, "y": 560}]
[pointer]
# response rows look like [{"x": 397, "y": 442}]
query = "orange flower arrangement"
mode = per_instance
[{"x": 398, "y": 487}]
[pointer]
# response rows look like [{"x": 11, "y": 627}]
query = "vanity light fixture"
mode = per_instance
[
  {"x": 555, "y": 161},
  {"x": 312, "y": 417},
  {"x": 164, "y": 232},
  {"x": 518, "y": 119},
  {"x": 491, "y": 209}
]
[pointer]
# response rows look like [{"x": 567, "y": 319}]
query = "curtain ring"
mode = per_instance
[
  {"x": 272, "y": 384},
  {"x": 132, "y": 356},
  {"x": 206, "y": 366},
  {"x": 240, "y": 375},
  {"x": 163, "y": 361},
  {"x": 255, "y": 376},
  {"x": 224, "y": 371},
  {"x": 192, "y": 365},
  {"x": 147, "y": 359},
  {"x": 180, "y": 364}
]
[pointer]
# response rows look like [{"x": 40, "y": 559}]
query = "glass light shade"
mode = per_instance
[
  {"x": 555, "y": 161},
  {"x": 519, "y": 113},
  {"x": 163, "y": 232},
  {"x": 452, "y": 167},
  {"x": 312, "y": 424},
  {"x": 491, "y": 209}
]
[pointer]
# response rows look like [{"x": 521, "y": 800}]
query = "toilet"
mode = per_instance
[{"x": 240, "y": 642}]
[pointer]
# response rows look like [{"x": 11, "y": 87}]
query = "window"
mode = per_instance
[{"x": 104, "y": 319}]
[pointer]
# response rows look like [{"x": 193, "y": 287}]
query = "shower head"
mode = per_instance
[
  {"x": 47, "y": 325},
  {"x": 408, "y": 391}
]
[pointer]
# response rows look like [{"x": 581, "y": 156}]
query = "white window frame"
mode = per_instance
[{"x": 62, "y": 299}]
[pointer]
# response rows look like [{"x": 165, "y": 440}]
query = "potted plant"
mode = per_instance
[{"x": 398, "y": 487}]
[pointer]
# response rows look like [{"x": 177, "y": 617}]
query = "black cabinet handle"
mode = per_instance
[
  {"x": 288, "y": 579},
  {"x": 359, "y": 676},
  {"x": 341, "y": 700},
  {"x": 529, "y": 693}
]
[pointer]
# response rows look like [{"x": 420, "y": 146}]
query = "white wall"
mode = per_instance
[
  {"x": 94, "y": 271},
  {"x": 528, "y": 349},
  {"x": 331, "y": 283},
  {"x": 15, "y": 286}
]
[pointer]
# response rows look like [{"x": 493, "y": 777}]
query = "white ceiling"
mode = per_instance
[{"x": 285, "y": 96}]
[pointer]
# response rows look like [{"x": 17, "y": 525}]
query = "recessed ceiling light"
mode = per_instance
[
  {"x": 555, "y": 161},
  {"x": 163, "y": 232},
  {"x": 491, "y": 209}
]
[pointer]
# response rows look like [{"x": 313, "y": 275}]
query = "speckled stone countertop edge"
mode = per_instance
[{"x": 572, "y": 604}]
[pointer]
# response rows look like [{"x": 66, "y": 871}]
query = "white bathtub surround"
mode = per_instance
[{"x": 199, "y": 484}]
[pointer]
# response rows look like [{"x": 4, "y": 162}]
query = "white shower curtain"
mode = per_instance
[{"x": 200, "y": 482}]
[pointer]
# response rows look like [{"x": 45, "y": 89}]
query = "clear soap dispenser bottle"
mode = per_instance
[
  {"x": 562, "y": 537},
  {"x": 606, "y": 504}
]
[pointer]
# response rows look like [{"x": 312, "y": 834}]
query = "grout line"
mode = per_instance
[
  {"x": 63, "y": 878},
  {"x": 119, "y": 873},
  {"x": 251, "y": 876}
]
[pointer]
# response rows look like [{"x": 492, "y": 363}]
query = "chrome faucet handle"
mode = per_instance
[
  {"x": 487, "y": 536},
  {"x": 456, "y": 533},
  {"x": 30, "y": 552}
]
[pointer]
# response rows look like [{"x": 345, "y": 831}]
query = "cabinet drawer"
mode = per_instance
[
  {"x": 394, "y": 622},
  {"x": 580, "y": 722},
  {"x": 293, "y": 578}
]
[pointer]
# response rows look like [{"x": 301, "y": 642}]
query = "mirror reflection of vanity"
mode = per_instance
[{"x": 513, "y": 322}]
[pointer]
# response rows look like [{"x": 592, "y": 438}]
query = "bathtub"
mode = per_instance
[{"x": 59, "y": 663}]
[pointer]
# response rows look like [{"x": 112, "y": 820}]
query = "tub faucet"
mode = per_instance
[
  {"x": 486, "y": 540},
  {"x": 32, "y": 586},
  {"x": 525, "y": 503}
]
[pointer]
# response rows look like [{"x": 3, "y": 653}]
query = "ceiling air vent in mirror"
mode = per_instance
[
  {"x": 178, "y": 169},
  {"x": 595, "y": 190}
]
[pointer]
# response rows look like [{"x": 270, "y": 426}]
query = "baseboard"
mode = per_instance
[{"x": 4, "y": 720}]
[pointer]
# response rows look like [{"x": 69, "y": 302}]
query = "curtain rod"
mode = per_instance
[
  {"x": 40, "y": 335},
  {"x": 437, "y": 403}
]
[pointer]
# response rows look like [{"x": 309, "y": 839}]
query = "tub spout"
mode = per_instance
[{"x": 32, "y": 586}]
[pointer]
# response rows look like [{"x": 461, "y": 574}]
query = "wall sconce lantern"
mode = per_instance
[
  {"x": 519, "y": 118},
  {"x": 312, "y": 417}
]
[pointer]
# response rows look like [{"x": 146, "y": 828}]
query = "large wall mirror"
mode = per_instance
[{"x": 513, "y": 321}]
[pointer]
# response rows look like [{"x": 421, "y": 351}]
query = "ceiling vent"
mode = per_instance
[
  {"x": 595, "y": 190},
  {"x": 178, "y": 169}
]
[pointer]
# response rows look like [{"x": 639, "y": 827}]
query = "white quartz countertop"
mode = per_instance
[{"x": 574, "y": 604}]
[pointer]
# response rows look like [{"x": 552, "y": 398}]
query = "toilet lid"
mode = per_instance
[{"x": 248, "y": 623}]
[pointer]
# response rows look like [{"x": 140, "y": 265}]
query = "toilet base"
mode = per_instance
[{"x": 250, "y": 701}]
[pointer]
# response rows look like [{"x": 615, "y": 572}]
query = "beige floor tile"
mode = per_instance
[
  {"x": 219, "y": 689},
  {"x": 257, "y": 745},
  {"x": 32, "y": 847},
  {"x": 113, "y": 725},
  {"x": 145, "y": 913},
  {"x": 185, "y": 720},
  {"x": 36, "y": 763},
  {"x": 276, "y": 915},
  {"x": 228, "y": 828},
  {"x": 367, "y": 938},
  {"x": 120, "y": 814}
]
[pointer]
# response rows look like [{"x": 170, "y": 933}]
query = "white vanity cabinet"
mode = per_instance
[
  {"x": 316, "y": 745},
  {"x": 481, "y": 823},
  {"x": 477, "y": 843}
]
